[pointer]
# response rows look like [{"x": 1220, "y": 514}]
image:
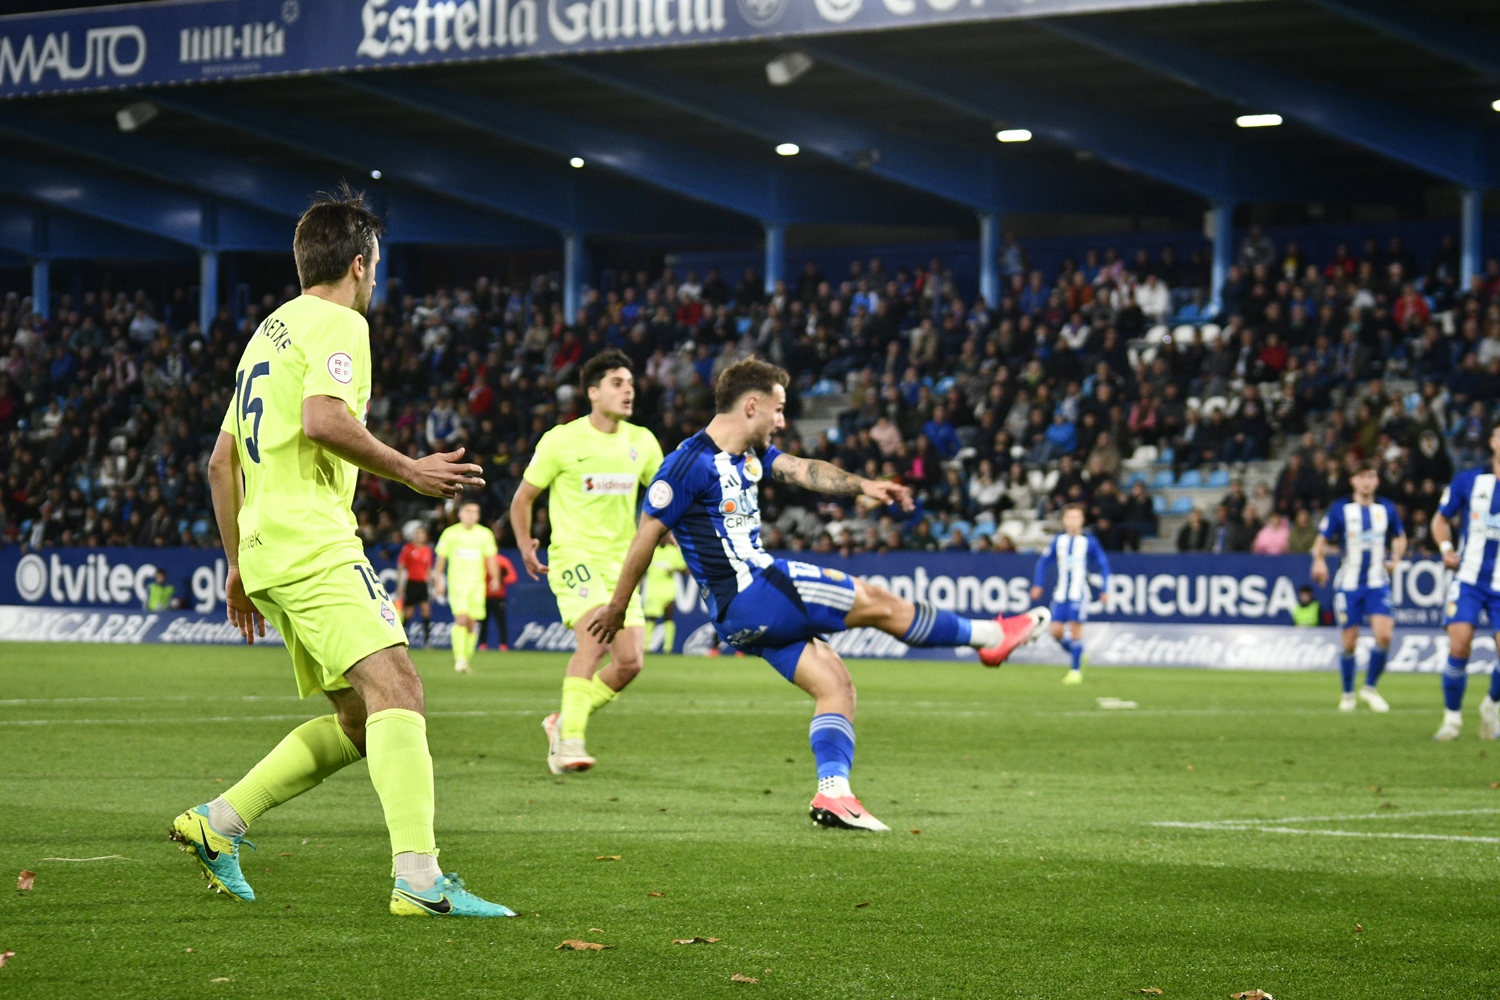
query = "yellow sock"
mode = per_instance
[
  {"x": 600, "y": 694},
  {"x": 668, "y": 635},
  {"x": 460, "y": 641},
  {"x": 313, "y": 751},
  {"x": 401, "y": 771},
  {"x": 577, "y": 704}
]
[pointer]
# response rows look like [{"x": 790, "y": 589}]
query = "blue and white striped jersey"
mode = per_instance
[
  {"x": 1074, "y": 556},
  {"x": 1470, "y": 504},
  {"x": 1361, "y": 532},
  {"x": 708, "y": 497}
]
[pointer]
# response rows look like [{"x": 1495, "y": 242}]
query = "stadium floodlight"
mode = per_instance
[
  {"x": 133, "y": 116},
  {"x": 1257, "y": 121},
  {"x": 576, "y": 163},
  {"x": 1014, "y": 135},
  {"x": 788, "y": 149},
  {"x": 375, "y": 175},
  {"x": 1495, "y": 105},
  {"x": 787, "y": 67}
]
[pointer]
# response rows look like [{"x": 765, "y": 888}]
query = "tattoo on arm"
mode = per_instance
[{"x": 820, "y": 477}]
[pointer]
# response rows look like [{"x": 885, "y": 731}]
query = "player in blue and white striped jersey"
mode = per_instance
[
  {"x": 706, "y": 493},
  {"x": 1075, "y": 554},
  {"x": 1367, "y": 529},
  {"x": 1471, "y": 504}
]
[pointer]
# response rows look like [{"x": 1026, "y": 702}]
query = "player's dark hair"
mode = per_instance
[
  {"x": 749, "y": 375},
  {"x": 1076, "y": 506},
  {"x": 334, "y": 230},
  {"x": 601, "y": 364},
  {"x": 1365, "y": 465}
]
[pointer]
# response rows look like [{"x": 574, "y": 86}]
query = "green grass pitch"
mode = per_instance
[{"x": 1038, "y": 870}]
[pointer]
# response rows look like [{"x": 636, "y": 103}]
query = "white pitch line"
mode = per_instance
[{"x": 1272, "y": 825}]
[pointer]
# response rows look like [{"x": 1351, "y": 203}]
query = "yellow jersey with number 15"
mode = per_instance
[
  {"x": 594, "y": 479},
  {"x": 297, "y": 518}
]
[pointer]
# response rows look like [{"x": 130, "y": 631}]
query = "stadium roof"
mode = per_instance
[{"x": 1132, "y": 105}]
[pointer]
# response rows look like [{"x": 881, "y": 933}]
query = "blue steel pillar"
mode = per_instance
[
  {"x": 1222, "y": 220},
  {"x": 41, "y": 288},
  {"x": 1471, "y": 233},
  {"x": 208, "y": 288},
  {"x": 572, "y": 276},
  {"x": 989, "y": 258},
  {"x": 775, "y": 254}
]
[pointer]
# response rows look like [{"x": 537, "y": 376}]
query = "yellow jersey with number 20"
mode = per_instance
[
  {"x": 594, "y": 479},
  {"x": 296, "y": 519}
]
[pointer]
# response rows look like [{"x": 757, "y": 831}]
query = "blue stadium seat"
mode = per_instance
[
  {"x": 1191, "y": 478},
  {"x": 1162, "y": 479},
  {"x": 1167, "y": 457},
  {"x": 1159, "y": 504},
  {"x": 1182, "y": 505},
  {"x": 1133, "y": 478},
  {"x": 1218, "y": 479}
]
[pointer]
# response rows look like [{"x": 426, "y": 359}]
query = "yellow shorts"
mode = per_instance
[
  {"x": 330, "y": 621},
  {"x": 581, "y": 584},
  {"x": 466, "y": 598}
]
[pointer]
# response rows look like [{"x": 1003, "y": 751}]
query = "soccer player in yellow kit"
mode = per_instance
[
  {"x": 464, "y": 550},
  {"x": 283, "y": 474},
  {"x": 659, "y": 589},
  {"x": 594, "y": 467}
]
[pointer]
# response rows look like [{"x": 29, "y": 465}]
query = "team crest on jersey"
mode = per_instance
[
  {"x": 388, "y": 613},
  {"x": 660, "y": 494},
  {"x": 634, "y": 454},
  {"x": 752, "y": 468},
  {"x": 583, "y": 592}
]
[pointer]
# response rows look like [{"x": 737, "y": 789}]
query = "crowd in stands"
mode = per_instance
[{"x": 1081, "y": 386}]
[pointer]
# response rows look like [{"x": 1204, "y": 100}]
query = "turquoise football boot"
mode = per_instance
[
  {"x": 219, "y": 855},
  {"x": 447, "y": 898}
]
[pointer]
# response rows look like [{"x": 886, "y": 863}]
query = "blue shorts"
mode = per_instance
[
  {"x": 1465, "y": 601},
  {"x": 1352, "y": 607},
  {"x": 787, "y": 604},
  {"x": 1070, "y": 611}
]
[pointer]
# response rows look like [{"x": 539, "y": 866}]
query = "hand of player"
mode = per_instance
[
  {"x": 241, "y": 611},
  {"x": 604, "y": 621},
  {"x": 1450, "y": 559},
  {"x": 1036, "y": 593},
  {"x": 1319, "y": 572},
  {"x": 535, "y": 568},
  {"x": 443, "y": 475},
  {"x": 888, "y": 493}
]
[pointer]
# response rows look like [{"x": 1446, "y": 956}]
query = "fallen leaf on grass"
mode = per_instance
[
  {"x": 656, "y": 894},
  {"x": 596, "y": 930},
  {"x": 695, "y": 940},
  {"x": 188, "y": 950},
  {"x": 1252, "y": 995},
  {"x": 578, "y": 945},
  {"x": 737, "y": 978},
  {"x": 221, "y": 979},
  {"x": 915, "y": 832},
  {"x": 860, "y": 906},
  {"x": 1152, "y": 990},
  {"x": 1359, "y": 928},
  {"x": 26, "y": 881},
  {"x": 6, "y": 956},
  {"x": 1495, "y": 784},
  {"x": 607, "y": 857}
]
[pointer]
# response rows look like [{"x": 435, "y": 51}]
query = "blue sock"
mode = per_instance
[
  {"x": 1495, "y": 684},
  {"x": 1346, "y": 671},
  {"x": 932, "y": 626},
  {"x": 1074, "y": 649},
  {"x": 1376, "y": 667},
  {"x": 832, "y": 739},
  {"x": 1455, "y": 680}
]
